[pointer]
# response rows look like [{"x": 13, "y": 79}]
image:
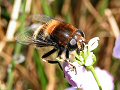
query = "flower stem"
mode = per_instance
[{"x": 91, "y": 68}]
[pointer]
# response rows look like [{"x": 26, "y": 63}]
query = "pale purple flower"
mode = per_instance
[
  {"x": 76, "y": 79},
  {"x": 106, "y": 80},
  {"x": 116, "y": 50},
  {"x": 84, "y": 79}
]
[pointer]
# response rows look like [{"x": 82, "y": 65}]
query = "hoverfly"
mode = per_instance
[{"x": 53, "y": 32}]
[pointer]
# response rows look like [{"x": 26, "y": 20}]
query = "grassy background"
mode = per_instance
[{"x": 92, "y": 16}]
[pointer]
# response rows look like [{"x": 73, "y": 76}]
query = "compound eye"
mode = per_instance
[
  {"x": 73, "y": 42},
  {"x": 81, "y": 33}
]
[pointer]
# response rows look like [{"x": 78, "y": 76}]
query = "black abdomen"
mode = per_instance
[{"x": 62, "y": 34}]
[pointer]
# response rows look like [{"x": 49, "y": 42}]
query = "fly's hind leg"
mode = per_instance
[{"x": 55, "y": 62}]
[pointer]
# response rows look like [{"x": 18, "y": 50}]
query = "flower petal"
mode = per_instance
[
  {"x": 116, "y": 49},
  {"x": 89, "y": 60},
  {"x": 76, "y": 79},
  {"x": 85, "y": 80},
  {"x": 93, "y": 43},
  {"x": 104, "y": 77}
]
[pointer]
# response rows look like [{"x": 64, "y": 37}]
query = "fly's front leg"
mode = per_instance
[{"x": 73, "y": 67}]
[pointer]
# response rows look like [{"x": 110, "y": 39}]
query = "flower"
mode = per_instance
[
  {"x": 84, "y": 79},
  {"x": 76, "y": 79},
  {"x": 81, "y": 74},
  {"x": 86, "y": 56},
  {"x": 105, "y": 78},
  {"x": 116, "y": 49}
]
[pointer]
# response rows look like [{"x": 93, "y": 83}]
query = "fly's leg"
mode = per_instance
[
  {"x": 67, "y": 53},
  {"x": 61, "y": 49},
  {"x": 73, "y": 67},
  {"x": 55, "y": 62},
  {"x": 49, "y": 53}
]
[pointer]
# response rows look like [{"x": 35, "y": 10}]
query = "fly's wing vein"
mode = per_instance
[
  {"x": 25, "y": 37},
  {"x": 41, "y": 18}
]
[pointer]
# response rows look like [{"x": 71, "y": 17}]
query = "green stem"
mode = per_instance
[{"x": 91, "y": 68}]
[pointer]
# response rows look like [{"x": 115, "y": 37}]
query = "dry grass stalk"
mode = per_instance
[
  {"x": 113, "y": 23},
  {"x": 13, "y": 23}
]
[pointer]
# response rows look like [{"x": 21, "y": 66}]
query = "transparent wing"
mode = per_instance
[
  {"x": 25, "y": 37},
  {"x": 41, "y": 18}
]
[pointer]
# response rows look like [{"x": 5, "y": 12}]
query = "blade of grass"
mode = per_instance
[
  {"x": 22, "y": 26},
  {"x": 103, "y": 5},
  {"x": 11, "y": 76},
  {"x": 68, "y": 18},
  {"x": 17, "y": 51},
  {"x": 46, "y": 8},
  {"x": 40, "y": 69},
  {"x": 66, "y": 11}
]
